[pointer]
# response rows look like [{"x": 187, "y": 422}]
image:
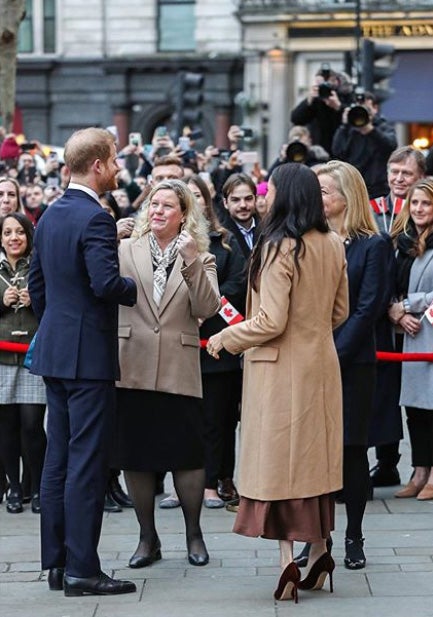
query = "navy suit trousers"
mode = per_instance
[{"x": 79, "y": 433}]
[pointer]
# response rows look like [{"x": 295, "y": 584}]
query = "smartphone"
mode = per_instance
[
  {"x": 135, "y": 140},
  {"x": 246, "y": 131},
  {"x": 53, "y": 156},
  {"x": 28, "y": 145},
  {"x": 53, "y": 181},
  {"x": 184, "y": 143},
  {"x": 161, "y": 131}
]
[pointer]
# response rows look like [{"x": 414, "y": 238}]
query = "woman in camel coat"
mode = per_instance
[{"x": 291, "y": 439}]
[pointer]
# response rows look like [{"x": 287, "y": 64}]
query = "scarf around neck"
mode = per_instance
[
  {"x": 161, "y": 260},
  {"x": 406, "y": 243}
]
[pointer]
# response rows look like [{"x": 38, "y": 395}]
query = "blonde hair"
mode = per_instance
[
  {"x": 20, "y": 207},
  {"x": 195, "y": 221},
  {"x": 402, "y": 221},
  {"x": 359, "y": 220}
]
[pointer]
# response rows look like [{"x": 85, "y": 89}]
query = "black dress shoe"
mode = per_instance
[
  {"x": 384, "y": 475},
  {"x": 226, "y": 490},
  {"x": 36, "y": 503},
  {"x": 55, "y": 579},
  {"x": 141, "y": 560},
  {"x": 110, "y": 505},
  {"x": 101, "y": 585},
  {"x": 14, "y": 502},
  {"x": 197, "y": 553},
  {"x": 118, "y": 495}
]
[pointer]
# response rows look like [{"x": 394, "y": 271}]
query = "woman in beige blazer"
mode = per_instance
[
  {"x": 291, "y": 438},
  {"x": 159, "y": 418}
]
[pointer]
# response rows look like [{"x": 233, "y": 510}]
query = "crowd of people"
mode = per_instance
[{"x": 204, "y": 293}]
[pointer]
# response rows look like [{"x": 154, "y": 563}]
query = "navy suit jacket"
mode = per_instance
[
  {"x": 75, "y": 289},
  {"x": 367, "y": 262}
]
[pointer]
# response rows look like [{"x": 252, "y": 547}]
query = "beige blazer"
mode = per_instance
[
  {"x": 159, "y": 348},
  {"x": 291, "y": 422}
]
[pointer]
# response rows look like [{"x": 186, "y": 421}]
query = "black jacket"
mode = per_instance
[
  {"x": 368, "y": 153},
  {"x": 321, "y": 120},
  {"x": 232, "y": 281}
]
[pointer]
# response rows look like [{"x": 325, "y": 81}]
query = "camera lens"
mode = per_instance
[
  {"x": 325, "y": 90},
  {"x": 358, "y": 116},
  {"x": 296, "y": 152}
]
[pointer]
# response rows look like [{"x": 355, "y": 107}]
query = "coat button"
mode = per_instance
[{"x": 156, "y": 329}]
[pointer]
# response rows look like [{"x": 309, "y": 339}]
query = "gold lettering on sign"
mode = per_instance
[{"x": 379, "y": 30}]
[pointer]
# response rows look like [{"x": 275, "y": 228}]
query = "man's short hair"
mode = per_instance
[
  {"x": 86, "y": 146},
  {"x": 405, "y": 152}
]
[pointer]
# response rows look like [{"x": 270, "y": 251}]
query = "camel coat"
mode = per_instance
[
  {"x": 159, "y": 348},
  {"x": 291, "y": 422}
]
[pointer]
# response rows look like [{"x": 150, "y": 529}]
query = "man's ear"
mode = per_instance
[{"x": 225, "y": 204}]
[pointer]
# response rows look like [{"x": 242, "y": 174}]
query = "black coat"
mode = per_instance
[
  {"x": 321, "y": 120},
  {"x": 368, "y": 153},
  {"x": 386, "y": 425},
  {"x": 232, "y": 281},
  {"x": 355, "y": 339}
]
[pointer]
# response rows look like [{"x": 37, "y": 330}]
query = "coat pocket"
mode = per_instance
[
  {"x": 189, "y": 339},
  {"x": 263, "y": 354},
  {"x": 124, "y": 331}
]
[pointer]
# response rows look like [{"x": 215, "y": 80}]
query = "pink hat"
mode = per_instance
[
  {"x": 262, "y": 188},
  {"x": 9, "y": 148}
]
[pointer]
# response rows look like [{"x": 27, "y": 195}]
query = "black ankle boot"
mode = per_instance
[
  {"x": 355, "y": 557},
  {"x": 301, "y": 560},
  {"x": 14, "y": 502}
]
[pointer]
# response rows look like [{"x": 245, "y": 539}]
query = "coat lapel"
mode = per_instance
[
  {"x": 143, "y": 264},
  {"x": 174, "y": 280}
]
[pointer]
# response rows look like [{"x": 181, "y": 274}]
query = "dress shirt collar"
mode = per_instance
[
  {"x": 248, "y": 234},
  {"x": 86, "y": 189}
]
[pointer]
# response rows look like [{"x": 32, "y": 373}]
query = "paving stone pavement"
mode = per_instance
[{"x": 242, "y": 573}]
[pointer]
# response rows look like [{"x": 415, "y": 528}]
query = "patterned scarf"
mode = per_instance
[{"x": 161, "y": 260}]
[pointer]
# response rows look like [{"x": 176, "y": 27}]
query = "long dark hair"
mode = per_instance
[{"x": 297, "y": 208}]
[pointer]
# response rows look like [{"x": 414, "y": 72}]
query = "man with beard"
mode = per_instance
[{"x": 75, "y": 288}]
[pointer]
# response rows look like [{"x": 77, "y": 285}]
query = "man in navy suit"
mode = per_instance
[{"x": 75, "y": 288}]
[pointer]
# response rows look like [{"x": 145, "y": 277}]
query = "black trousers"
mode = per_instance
[
  {"x": 221, "y": 399},
  {"x": 74, "y": 478},
  {"x": 420, "y": 426}
]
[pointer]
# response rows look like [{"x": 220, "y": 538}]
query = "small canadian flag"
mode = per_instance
[
  {"x": 429, "y": 314},
  {"x": 229, "y": 313}
]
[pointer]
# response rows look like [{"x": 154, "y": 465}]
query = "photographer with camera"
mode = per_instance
[
  {"x": 321, "y": 111},
  {"x": 365, "y": 139},
  {"x": 299, "y": 149}
]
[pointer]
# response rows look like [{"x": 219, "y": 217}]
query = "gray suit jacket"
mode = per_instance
[{"x": 417, "y": 377}]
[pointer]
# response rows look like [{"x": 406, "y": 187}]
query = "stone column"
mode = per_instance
[{"x": 279, "y": 76}]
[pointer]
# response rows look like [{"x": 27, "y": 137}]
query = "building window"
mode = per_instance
[
  {"x": 176, "y": 25},
  {"x": 37, "y": 33}
]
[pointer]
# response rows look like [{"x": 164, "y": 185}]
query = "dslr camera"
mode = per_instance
[
  {"x": 325, "y": 88},
  {"x": 296, "y": 152},
  {"x": 358, "y": 115}
]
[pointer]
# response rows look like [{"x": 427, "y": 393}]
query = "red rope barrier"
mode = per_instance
[
  {"x": 382, "y": 356},
  {"x": 388, "y": 356},
  {"x": 14, "y": 347}
]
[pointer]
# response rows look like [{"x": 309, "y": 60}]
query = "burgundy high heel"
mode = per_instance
[
  {"x": 288, "y": 584},
  {"x": 318, "y": 572}
]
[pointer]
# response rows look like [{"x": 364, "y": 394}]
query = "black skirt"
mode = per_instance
[{"x": 157, "y": 431}]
